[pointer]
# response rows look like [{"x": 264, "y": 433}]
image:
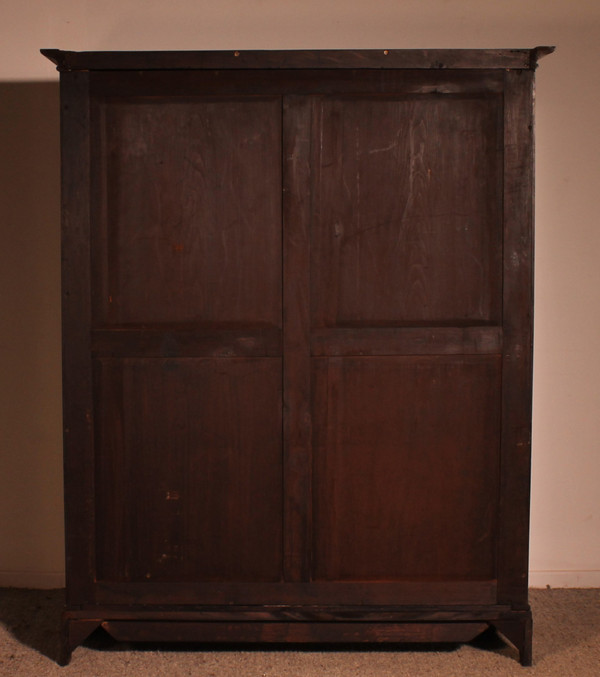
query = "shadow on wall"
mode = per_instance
[{"x": 31, "y": 538}]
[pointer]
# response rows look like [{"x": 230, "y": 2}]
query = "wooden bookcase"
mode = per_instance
[{"x": 297, "y": 302}]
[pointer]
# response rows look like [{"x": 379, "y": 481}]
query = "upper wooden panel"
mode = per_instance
[
  {"x": 188, "y": 199},
  {"x": 366, "y": 58},
  {"x": 407, "y": 224}
]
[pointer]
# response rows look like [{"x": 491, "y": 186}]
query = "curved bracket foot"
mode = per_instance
[
  {"x": 518, "y": 632},
  {"x": 73, "y": 633}
]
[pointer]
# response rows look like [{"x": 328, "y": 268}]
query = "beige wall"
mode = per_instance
[{"x": 565, "y": 543}]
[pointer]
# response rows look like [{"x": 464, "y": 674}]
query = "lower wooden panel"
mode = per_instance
[
  {"x": 189, "y": 472},
  {"x": 406, "y": 467}
]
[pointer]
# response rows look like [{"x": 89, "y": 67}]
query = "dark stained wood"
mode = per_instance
[
  {"x": 406, "y": 341},
  {"x": 427, "y": 251},
  {"x": 293, "y": 632},
  {"x": 374, "y": 58},
  {"x": 264, "y": 82},
  {"x": 190, "y": 191},
  {"x": 78, "y": 435},
  {"x": 518, "y": 631},
  {"x": 165, "y": 340},
  {"x": 296, "y": 364},
  {"x": 425, "y": 432},
  {"x": 513, "y": 542},
  {"x": 73, "y": 632},
  {"x": 281, "y": 612},
  {"x": 189, "y": 481},
  {"x": 297, "y": 293},
  {"x": 406, "y": 592}
]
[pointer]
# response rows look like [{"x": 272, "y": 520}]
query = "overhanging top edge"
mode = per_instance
[{"x": 293, "y": 59}]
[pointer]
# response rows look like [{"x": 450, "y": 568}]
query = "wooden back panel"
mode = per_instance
[{"x": 300, "y": 353}]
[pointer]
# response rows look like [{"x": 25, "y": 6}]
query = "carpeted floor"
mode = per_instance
[{"x": 566, "y": 644}]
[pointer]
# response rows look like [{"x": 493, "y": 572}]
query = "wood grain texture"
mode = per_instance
[
  {"x": 407, "y": 226},
  {"x": 266, "y": 82},
  {"x": 304, "y": 613},
  {"x": 78, "y": 435},
  {"x": 426, "y": 433},
  {"x": 513, "y": 545},
  {"x": 409, "y": 593},
  {"x": 185, "y": 340},
  {"x": 189, "y": 480},
  {"x": 406, "y": 341},
  {"x": 296, "y": 362},
  {"x": 192, "y": 193}
]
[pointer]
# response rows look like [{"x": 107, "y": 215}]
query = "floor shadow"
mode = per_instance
[
  {"x": 33, "y": 618},
  {"x": 101, "y": 641},
  {"x": 491, "y": 642}
]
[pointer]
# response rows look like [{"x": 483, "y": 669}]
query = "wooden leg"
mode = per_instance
[
  {"x": 518, "y": 632},
  {"x": 73, "y": 633}
]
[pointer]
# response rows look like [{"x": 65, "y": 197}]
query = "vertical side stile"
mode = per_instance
[
  {"x": 76, "y": 312},
  {"x": 513, "y": 547},
  {"x": 297, "y": 464}
]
